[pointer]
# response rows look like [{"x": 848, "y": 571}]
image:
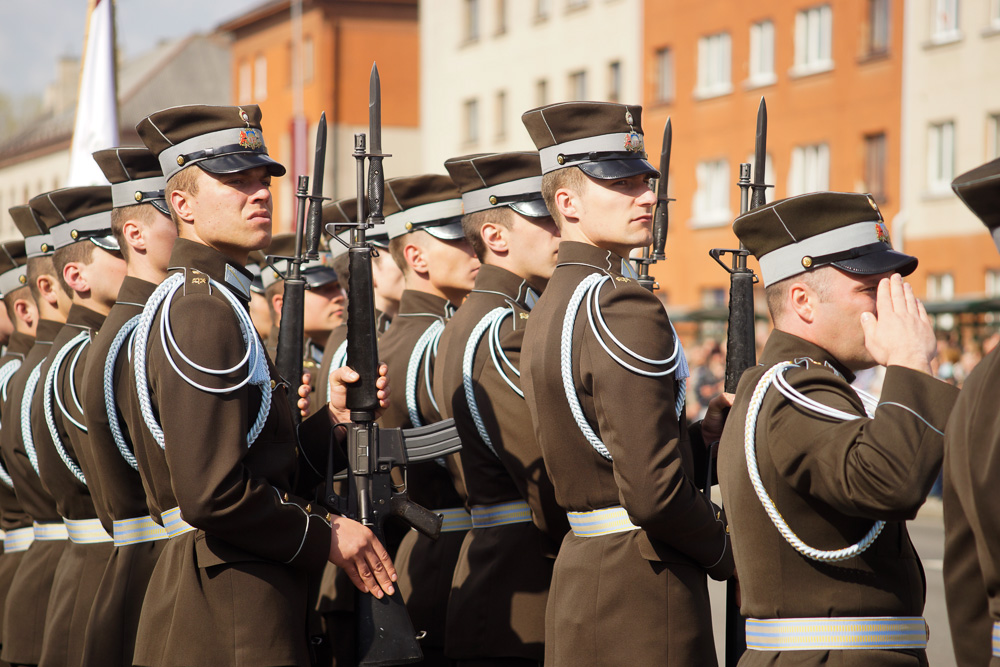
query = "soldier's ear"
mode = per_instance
[
  {"x": 26, "y": 311},
  {"x": 416, "y": 257},
  {"x": 180, "y": 204},
  {"x": 132, "y": 233},
  {"x": 75, "y": 277},
  {"x": 802, "y": 301},
  {"x": 494, "y": 237},
  {"x": 567, "y": 203}
]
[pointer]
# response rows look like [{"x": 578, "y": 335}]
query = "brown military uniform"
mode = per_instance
[
  {"x": 831, "y": 480},
  {"x": 500, "y": 586},
  {"x": 424, "y": 566},
  {"x": 602, "y": 584},
  {"x": 117, "y": 491},
  {"x": 257, "y": 538},
  {"x": 28, "y": 598},
  {"x": 81, "y": 565}
]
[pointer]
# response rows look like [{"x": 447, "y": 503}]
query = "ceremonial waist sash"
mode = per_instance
[
  {"x": 996, "y": 640},
  {"x": 86, "y": 531},
  {"x": 607, "y": 521},
  {"x": 456, "y": 519},
  {"x": 836, "y": 634},
  {"x": 174, "y": 524},
  {"x": 501, "y": 514},
  {"x": 18, "y": 539},
  {"x": 137, "y": 530},
  {"x": 47, "y": 532}
]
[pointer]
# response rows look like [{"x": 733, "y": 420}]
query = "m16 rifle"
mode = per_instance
[
  {"x": 385, "y": 632},
  {"x": 661, "y": 217},
  {"x": 741, "y": 351},
  {"x": 288, "y": 359}
]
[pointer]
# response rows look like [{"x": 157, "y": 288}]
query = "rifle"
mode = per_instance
[
  {"x": 741, "y": 351},
  {"x": 385, "y": 632},
  {"x": 288, "y": 359},
  {"x": 661, "y": 218}
]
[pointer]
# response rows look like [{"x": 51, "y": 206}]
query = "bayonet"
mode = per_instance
[
  {"x": 758, "y": 187},
  {"x": 661, "y": 218},
  {"x": 314, "y": 219},
  {"x": 376, "y": 179}
]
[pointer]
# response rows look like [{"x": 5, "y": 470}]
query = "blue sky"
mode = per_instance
[{"x": 35, "y": 33}]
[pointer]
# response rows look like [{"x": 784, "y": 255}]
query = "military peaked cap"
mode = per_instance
[
  {"x": 37, "y": 240},
  {"x": 979, "y": 189},
  {"x": 430, "y": 203},
  {"x": 799, "y": 234},
  {"x": 603, "y": 139},
  {"x": 13, "y": 267},
  {"x": 135, "y": 177},
  {"x": 495, "y": 180},
  {"x": 315, "y": 272},
  {"x": 77, "y": 214},
  {"x": 341, "y": 212},
  {"x": 220, "y": 140}
]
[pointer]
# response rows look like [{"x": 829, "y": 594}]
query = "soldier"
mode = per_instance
[
  {"x": 231, "y": 585},
  {"x": 260, "y": 312},
  {"x": 423, "y": 219},
  {"x": 606, "y": 393},
  {"x": 28, "y": 598},
  {"x": 145, "y": 233},
  {"x": 22, "y": 312},
  {"x": 89, "y": 264},
  {"x": 496, "y": 612},
  {"x": 970, "y": 474},
  {"x": 816, "y": 482}
]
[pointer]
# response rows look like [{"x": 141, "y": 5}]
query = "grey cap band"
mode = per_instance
[
  {"x": 788, "y": 260},
  {"x": 411, "y": 219},
  {"x": 269, "y": 276},
  {"x": 609, "y": 143},
  {"x": 230, "y": 136},
  {"x": 70, "y": 232},
  {"x": 479, "y": 200},
  {"x": 135, "y": 192},
  {"x": 13, "y": 279},
  {"x": 39, "y": 245}
]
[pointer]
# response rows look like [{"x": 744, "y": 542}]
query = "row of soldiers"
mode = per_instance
[{"x": 161, "y": 506}]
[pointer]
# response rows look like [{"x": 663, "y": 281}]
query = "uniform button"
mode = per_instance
[
  {"x": 309, "y": 508},
  {"x": 273, "y": 383},
  {"x": 286, "y": 497}
]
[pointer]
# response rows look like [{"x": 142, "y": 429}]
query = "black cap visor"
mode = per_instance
[
  {"x": 237, "y": 162},
  {"x": 607, "y": 170},
  {"x": 319, "y": 276},
  {"x": 450, "y": 229},
  {"x": 109, "y": 243},
  {"x": 161, "y": 206},
  {"x": 534, "y": 208},
  {"x": 882, "y": 261}
]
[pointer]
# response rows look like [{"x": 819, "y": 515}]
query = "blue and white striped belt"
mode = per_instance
[
  {"x": 48, "y": 532},
  {"x": 836, "y": 634},
  {"x": 137, "y": 530},
  {"x": 18, "y": 539},
  {"x": 86, "y": 531},
  {"x": 173, "y": 523},
  {"x": 456, "y": 519},
  {"x": 607, "y": 521},
  {"x": 501, "y": 514},
  {"x": 996, "y": 640}
]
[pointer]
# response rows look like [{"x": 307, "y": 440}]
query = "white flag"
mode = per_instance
[{"x": 96, "y": 126}]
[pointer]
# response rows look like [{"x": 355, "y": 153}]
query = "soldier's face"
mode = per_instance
[
  {"x": 388, "y": 279},
  {"x": 159, "y": 233},
  {"x": 232, "y": 212},
  {"x": 617, "y": 215},
  {"x": 451, "y": 266},
  {"x": 324, "y": 310},
  {"x": 838, "y": 315},
  {"x": 534, "y": 245},
  {"x": 104, "y": 275}
]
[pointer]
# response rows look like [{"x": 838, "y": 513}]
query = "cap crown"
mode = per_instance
[
  {"x": 12, "y": 255},
  {"x": 169, "y": 127},
  {"x": 128, "y": 163},
  {"x": 27, "y": 221},
  {"x": 570, "y": 121},
  {"x": 408, "y": 192},
  {"x": 70, "y": 204},
  {"x": 483, "y": 170},
  {"x": 979, "y": 189}
]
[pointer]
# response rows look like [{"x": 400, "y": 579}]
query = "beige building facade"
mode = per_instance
[{"x": 485, "y": 62}]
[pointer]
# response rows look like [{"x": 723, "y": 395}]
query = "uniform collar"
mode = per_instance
[
  {"x": 493, "y": 279},
  {"x": 47, "y": 330},
  {"x": 19, "y": 344},
  {"x": 414, "y": 302},
  {"x": 188, "y": 254},
  {"x": 574, "y": 252},
  {"x": 135, "y": 291},
  {"x": 783, "y": 346},
  {"x": 81, "y": 317},
  {"x": 382, "y": 321}
]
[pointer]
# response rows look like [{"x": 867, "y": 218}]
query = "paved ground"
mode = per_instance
[{"x": 927, "y": 533}]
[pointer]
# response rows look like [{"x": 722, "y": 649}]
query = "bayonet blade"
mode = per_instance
[
  {"x": 661, "y": 216},
  {"x": 376, "y": 179},
  {"x": 374, "y": 111},
  {"x": 758, "y": 186}
]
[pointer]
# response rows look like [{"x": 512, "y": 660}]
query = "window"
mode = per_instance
[
  {"x": 501, "y": 115},
  {"x": 762, "y": 54},
  {"x": 995, "y": 14},
  {"x": 875, "y": 166},
  {"x": 813, "y": 40},
  {"x": 614, "y": 81},
  {"x": 810, "y": 170},
  {"x": 501, "y": 16},
  {"x": 542, "y": 9},
  {"x": 941, "y": 287},
  {"x": 714, "y": 62},
  {"x": 993, "y": 136},
  {"x": 260, "y": 79},
  {"x": 992, "y": 283},
  {"x": 664, "y": 75},
  {"x": 578, "y": 85},
  {"x": 471, "y": 118},
  {"x": 878, "y": 27},
  {"x": 308, "y": 56},
  {"x": 576, "y": 4},
  {"x": 471, "y": 20},
  {"x": 711, "y": 200},
  {"x": 940, "y": 157},
  {"x": 244, "y": 94},
  {"x": 541, "y": 92},
  {"x": 944, "y": 23}
]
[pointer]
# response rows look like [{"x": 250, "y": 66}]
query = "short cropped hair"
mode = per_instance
[
  {"x": 10, "y": 297},
  {"x": 37, "y": 267},
  {"x": 185, "y": 180},
  {"x": 472, "y": 225},
  {"x": 143, "y": 213},
  {"x": 777, "y": 293},
  {"x": 81, "y": 252}
]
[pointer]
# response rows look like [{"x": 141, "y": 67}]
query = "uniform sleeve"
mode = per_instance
[
  {"x": 640, "y": 427},
  {"x": 880, "y": 468},
  {"x": 217, "y": 487}
]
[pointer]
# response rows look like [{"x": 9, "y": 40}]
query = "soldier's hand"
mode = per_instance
[
  {"x": 304, "y": 390},
  {"x": 715, "y": 418},
  {"x": 901, "y": 334},
  {"x": 355, "y": 549},
  {"x": 343, "y": 376}
]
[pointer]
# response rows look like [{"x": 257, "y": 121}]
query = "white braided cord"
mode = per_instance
[
  {"x": 110, "y": 406},
  {"x": 26, "y": 435},
  {"x": 774, "y": 375},
  {"x": 6, "y": 373},
  {"x": 49, "y": 391},
  {"x": 468, "y": 363},
  {"x": 498, "y": 355},
  {"x": 255, "y": 357},
  {"x": 421, "y": 352}
]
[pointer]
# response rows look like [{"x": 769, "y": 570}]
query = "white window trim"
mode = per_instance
[
  {"x": 939, "y": 186},
  {"x": 760, "y": 79},
  {"x": 704, "y": 91},
  {"x": 714, "y": 217},
  {"x": 805, "y": 67}
]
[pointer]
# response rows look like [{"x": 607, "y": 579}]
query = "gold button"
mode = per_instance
[
  {"x": 309, "y": 508},
  {"x": 286, "y": 497},
  {"x": 807, "y": 261},
  {"x": 74, "y": 234},
  {"x": 180, "y": 160},
  {"x": 45, "y": 247},
  {"x": 561, "y": 159},
  {"x": 23, "y": 279},
  {"x": 409, "y": 226},
  {"x": 493, "y": 199},
  {"x": 138, "y": 196},
  {"x": 273, "y": 383}
]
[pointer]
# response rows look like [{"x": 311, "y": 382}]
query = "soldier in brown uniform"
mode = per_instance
[
  {"x": 817, "y": 478},
  {"x": 89, "y": 263},
  {"x": 606, "y": 392},
  {"x": 423, "y": 219},
  {"x": 28, "y": 598},
  {"x": 496, "y": 612},
  {"x": 231, "y": 586},
  {"x": 970, "y": 472},
  {"x": 145, "y": 234},
  {"x": 23, "y": 314}
]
